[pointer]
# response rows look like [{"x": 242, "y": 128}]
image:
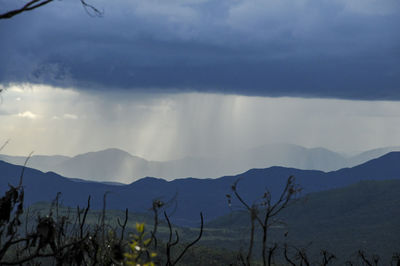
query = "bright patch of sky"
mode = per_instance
[{"x": 51, "y": 120}]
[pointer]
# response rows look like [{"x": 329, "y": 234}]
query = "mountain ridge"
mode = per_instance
[
  {"x": 116, "y": 165},
  {"x": 189, "y": 196}
]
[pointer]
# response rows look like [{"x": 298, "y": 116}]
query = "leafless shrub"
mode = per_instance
[{"x": 264, "y": 213}]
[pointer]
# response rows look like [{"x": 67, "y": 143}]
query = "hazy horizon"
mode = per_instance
[
  {"x": 33, "y": 153},
  {"x": 169, "y": 126}
]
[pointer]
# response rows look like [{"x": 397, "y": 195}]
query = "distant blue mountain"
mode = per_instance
[
  {"x": 189, "y": 196},
  {"x": 115, "y": 165}
]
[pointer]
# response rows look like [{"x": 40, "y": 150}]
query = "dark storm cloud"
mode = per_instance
[{"x": 342, "y": 49}]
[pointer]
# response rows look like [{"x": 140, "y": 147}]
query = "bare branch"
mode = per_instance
[
  {"x": 91, "y": 10},
  {"x": 251, "y": 244},
  {"x": 171, "y": 244},
  {"x": 193, "y": 242},
  {"x": 84, "y": 217},
  {"x": 34, "y": 4},
  {"x": 31, "y": 5},
  {"x": 285, "y": 253},
  {"x": 5, "y": 143},
  {"x": 271, "y": 253},
  {"x": 23, "y": 169},
  {"x": 123, "y": 225},
  {"x": 327, "y": 257}
]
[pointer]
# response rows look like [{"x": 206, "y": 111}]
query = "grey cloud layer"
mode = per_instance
[{"x": 345, "y": 49}]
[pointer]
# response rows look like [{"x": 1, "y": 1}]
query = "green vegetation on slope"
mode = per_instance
[{"x": 363, "y": 216}]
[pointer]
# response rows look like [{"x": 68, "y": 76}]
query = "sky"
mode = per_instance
[
  {"x": 161, "y": 127},
  {"x": 165, "y": 79}
]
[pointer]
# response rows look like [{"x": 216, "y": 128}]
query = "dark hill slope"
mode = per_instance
[
  {"x": 365, "y": 215},
  {"x": 192, "y": 195}
]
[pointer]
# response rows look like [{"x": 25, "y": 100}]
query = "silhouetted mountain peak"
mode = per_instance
[{"x": 149, "y": 180}]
